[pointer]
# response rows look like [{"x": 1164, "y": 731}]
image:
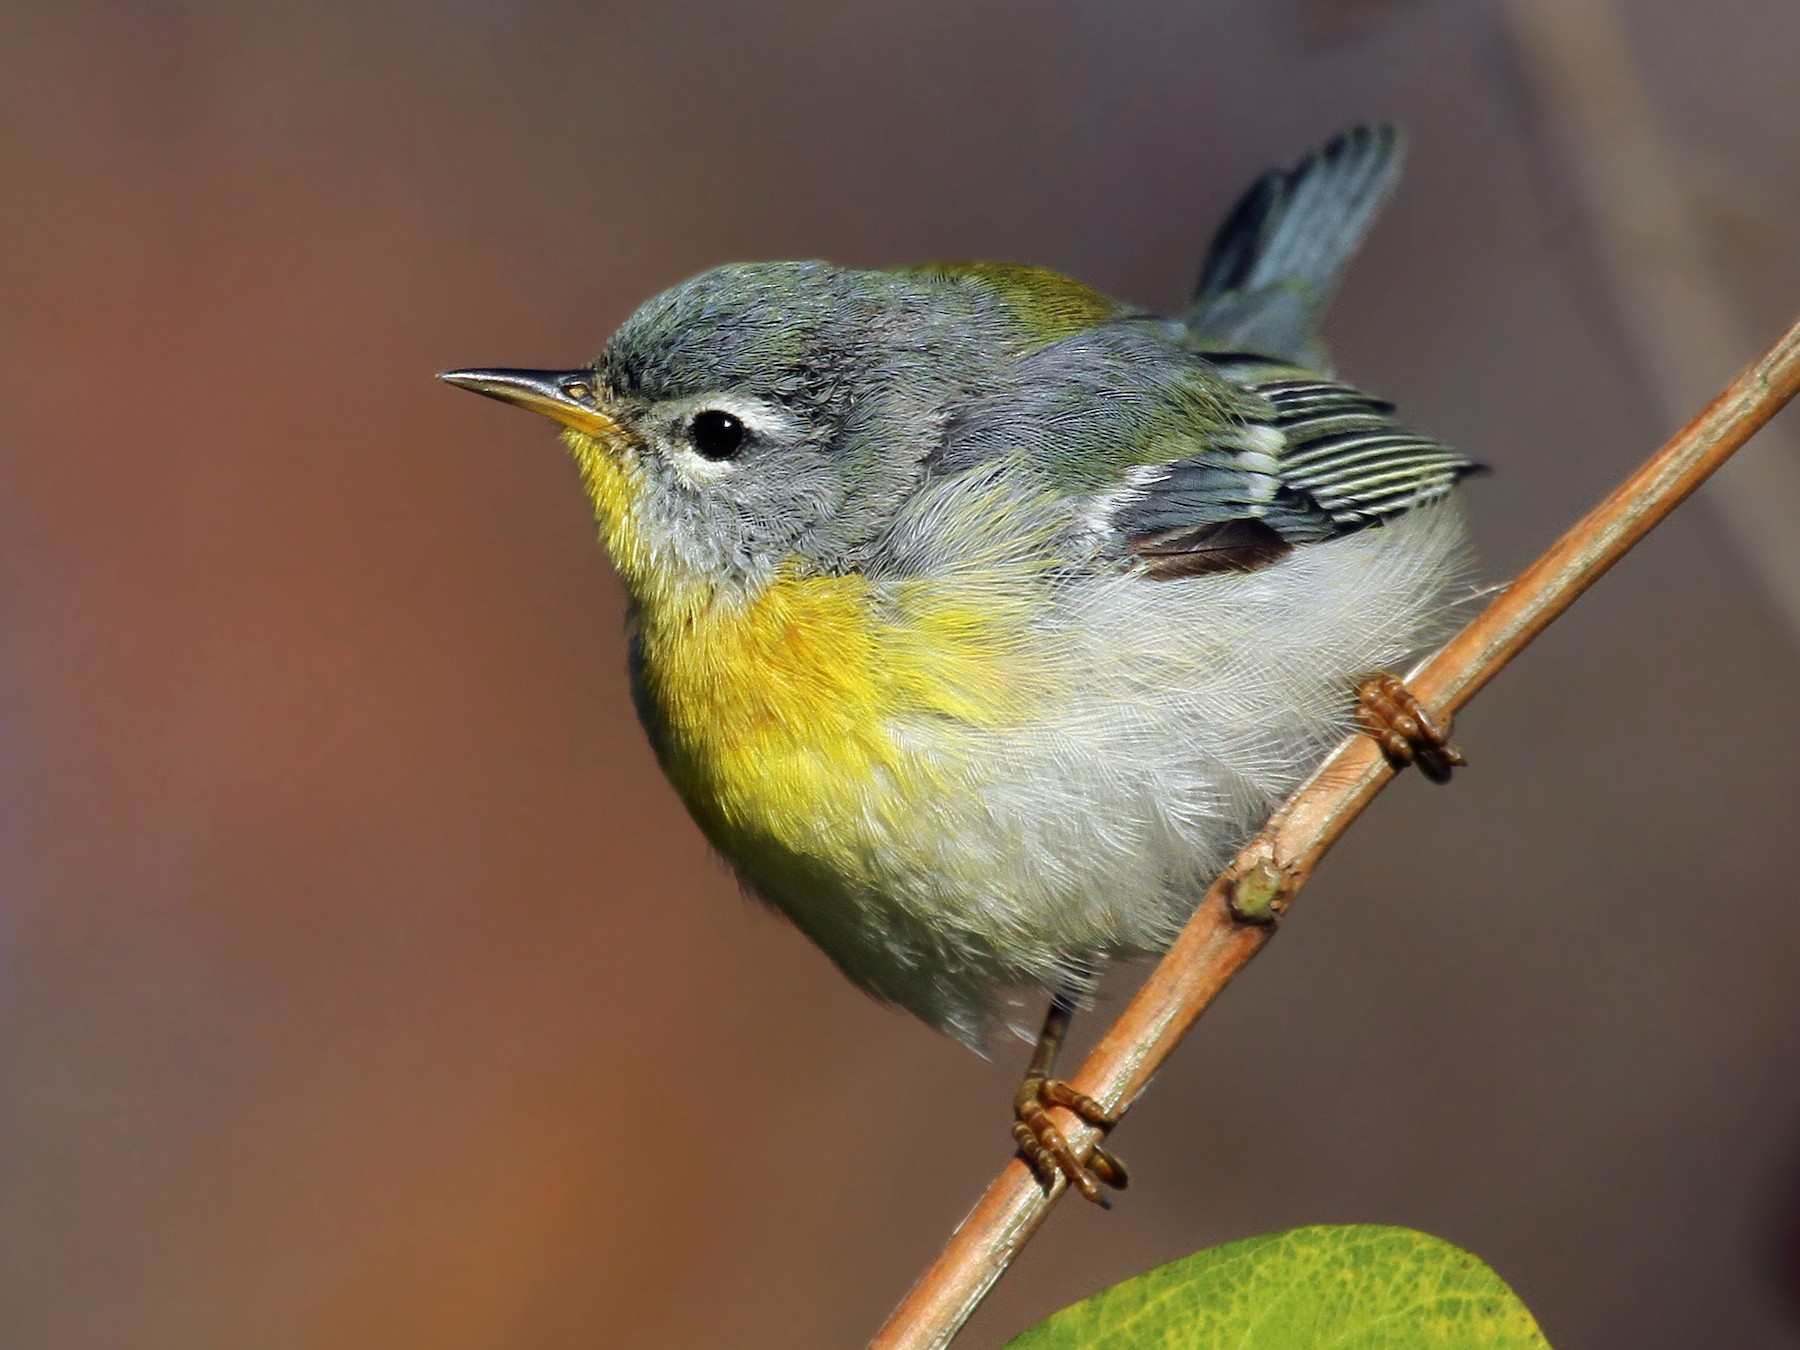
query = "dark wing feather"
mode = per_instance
[
  {"x": 1344, "y": 452},
  {"x": 1322, "y": 460}
]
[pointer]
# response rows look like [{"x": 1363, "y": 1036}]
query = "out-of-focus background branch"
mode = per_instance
[
  {"x": 360, "y": 983},
  {"x": 1682, "y": 327}
]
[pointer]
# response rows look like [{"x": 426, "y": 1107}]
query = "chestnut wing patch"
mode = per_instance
[{"x": 1225, "y": 546}]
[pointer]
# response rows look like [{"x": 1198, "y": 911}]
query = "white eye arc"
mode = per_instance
[{"x": 709, "y": 435}]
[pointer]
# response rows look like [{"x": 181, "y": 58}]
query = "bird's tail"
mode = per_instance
[{"x": 1276, "y": 260}]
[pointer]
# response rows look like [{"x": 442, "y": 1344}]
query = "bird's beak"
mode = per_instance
[{"x": 571, "y": 397}]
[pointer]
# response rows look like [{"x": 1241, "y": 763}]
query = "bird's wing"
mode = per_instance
[
  {"x": 1317, "y": 460},
  {"x": 1183, "y": 463}
]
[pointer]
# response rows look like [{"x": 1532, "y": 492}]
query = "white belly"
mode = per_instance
[{"x": 1195, "y": 705}]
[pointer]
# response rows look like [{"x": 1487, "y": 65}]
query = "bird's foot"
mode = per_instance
[
  {"x": 1407, "y": 734},
  {"x": 1048, "y": 1150}
]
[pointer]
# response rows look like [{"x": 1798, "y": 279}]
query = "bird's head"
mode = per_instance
[{"x": 757, "y": 417}]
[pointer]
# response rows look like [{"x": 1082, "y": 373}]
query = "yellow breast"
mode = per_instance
[
  {"x": 821, "y": 710},
  {"x": 818, "y": 710}
]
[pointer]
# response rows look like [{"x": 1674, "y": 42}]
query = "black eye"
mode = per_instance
[{"x": 717, "y": 435}]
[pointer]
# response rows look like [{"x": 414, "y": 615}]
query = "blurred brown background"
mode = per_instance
[{"x": 362, "y": 984}]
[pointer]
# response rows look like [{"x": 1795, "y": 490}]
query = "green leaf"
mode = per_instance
[{"x": 1360, "y": 1287}]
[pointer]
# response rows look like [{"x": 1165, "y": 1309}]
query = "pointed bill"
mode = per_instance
[{"x": 570, "y": 397}]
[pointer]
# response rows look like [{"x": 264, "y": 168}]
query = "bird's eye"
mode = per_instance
[{"x": 716, "y": 434}]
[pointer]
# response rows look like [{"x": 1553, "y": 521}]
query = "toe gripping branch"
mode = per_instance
[
  {"x": 1407, "y": 734},
  {"x": 1045, "y": 1147},
  {"x": 1048, "y": 1150}
]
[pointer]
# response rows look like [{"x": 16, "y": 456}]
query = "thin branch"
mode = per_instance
[
  {"x": 1681, "y": 327},
  {"x": 1215, "y": 946}
]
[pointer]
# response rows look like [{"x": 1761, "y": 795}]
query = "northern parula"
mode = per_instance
[{"x": 979, "y": 617}]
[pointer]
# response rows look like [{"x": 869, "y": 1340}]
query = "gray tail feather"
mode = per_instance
[{"x": 1276, "y": 260}]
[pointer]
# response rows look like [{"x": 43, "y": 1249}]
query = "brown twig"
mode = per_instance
[{"x": 1215, "y": 946}]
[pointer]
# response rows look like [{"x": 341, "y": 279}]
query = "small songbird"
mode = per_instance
[{"x": 979, "y": 618}]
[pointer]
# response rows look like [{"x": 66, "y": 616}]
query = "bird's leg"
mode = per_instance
[
  {"x": 1045, "y": 1146},
  {"x": 1407, "y": 734}
]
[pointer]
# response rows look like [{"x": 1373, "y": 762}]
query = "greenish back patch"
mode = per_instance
[{"x": 1046, "y": 305}]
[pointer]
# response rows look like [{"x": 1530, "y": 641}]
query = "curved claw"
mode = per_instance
[
  {"x": 1109, "y": 1169},
  {"x": 1408, "y": 734}
]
